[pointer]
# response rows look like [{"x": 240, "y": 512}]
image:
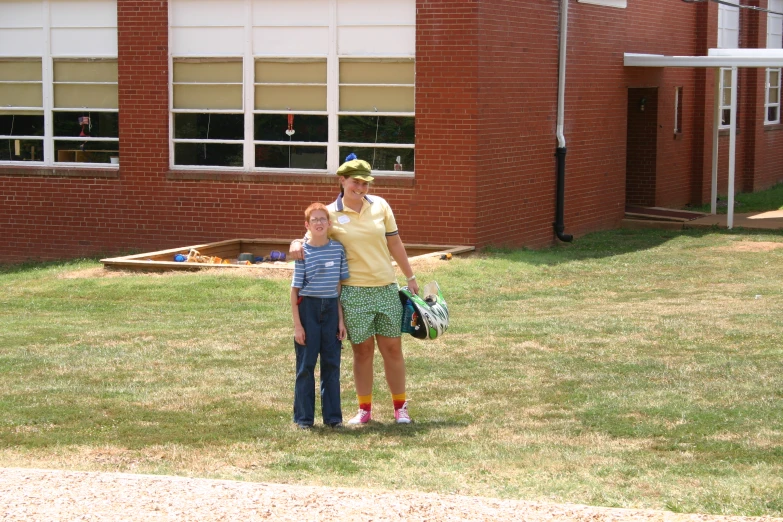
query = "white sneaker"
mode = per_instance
[
  {"x": 401, "y": 414},
  {"x": 363, "y": 417}
]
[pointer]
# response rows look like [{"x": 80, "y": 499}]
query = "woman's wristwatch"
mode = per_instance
[{"x": 412, "y": 278}]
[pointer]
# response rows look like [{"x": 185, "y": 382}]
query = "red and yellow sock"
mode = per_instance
[
  {"x": 365, "y": 402},
  {"x": 399, "y": 400}
]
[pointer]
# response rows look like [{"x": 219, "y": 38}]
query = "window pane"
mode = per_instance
[
  {"x": 726, "y": 117},
  {"x": 94, "y": 96},
  {"x": 290, "y": 157},
  {"x": 726, "y": 77},
  {"x": 209, "y": 126},
  {"x": 86, "y": 151},
  {"x": 21, "y": 150},
  {"x": 97, "y": 125},
  {"x": 21, "y": 125},
  {"x": 208, "y": 72},
  {"x": 85, "y": 71},
  {"x": 772, "y": 114},
  {"x": 272, "y": 127},
  {"x": 382, "y": 159},
  {"x": 773, "y": 95},
  {"x": 774, "y": 77},
  {"x": 380, "y": 129},
  {"x": 377, "y": 72},
  {"x": 293, "y": 97},
  {"x": 290, "y": 72},
  {"x": 371, "y": 98},
  {"x": 208, "y": 97},
  {"x": 12, "y": 70},
  {"x": 726, "y": 99},
  {"x": 21, "y": 95},
  {"x": 211, "y": 154}
]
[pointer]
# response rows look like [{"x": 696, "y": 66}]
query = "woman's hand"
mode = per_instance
[
  {"x": 299, "y": 335},
  {"x": 413, "y": 286},
  {"x": 342, "y": 333},
  {"x": 295, "y": 251}
]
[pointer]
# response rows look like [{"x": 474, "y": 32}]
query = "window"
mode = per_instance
[
  {"x": 290, "y": 121},
  {"x": 725, "y": 98},
  {"x": 302, "y": 84},
  {"x": 775, "y": 25},
  {"x": 610, "y": 3},
  {"x": 376, "y": 118},
  {"x": 21, "y": 113},
  {"x": 58, "y": 90},
  {"x": 677, "y": 110},
  {"x": 85, "y": 116},
  {"x": 728, "y": 26},
  {"x": 772, "y": 97},
  {"x": 208, "y": 117}
]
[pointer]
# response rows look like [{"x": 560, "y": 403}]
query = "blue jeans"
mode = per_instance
[{"x": 320, "y": 321}]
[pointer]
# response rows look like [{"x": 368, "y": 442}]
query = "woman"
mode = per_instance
[{"x": 366, "y": 227}]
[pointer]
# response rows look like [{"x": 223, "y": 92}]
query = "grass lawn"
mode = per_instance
[
  {"x": 770, "y": 199},
  {"x": 630, "y": 368}
]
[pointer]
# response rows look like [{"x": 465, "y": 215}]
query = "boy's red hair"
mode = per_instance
[{"x": 315, "y": 206}]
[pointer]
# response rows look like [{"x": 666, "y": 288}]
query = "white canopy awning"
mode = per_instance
[{"x": 717, "y": 59}]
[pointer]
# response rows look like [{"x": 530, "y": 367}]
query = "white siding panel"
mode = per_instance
[
  {"x": 201, "y": 13},
  {"x": 21, "y": 42},
  {"x": 21, "y": 14},
  {"x": 728, "y": 27},
  {"x": 290, "y": 12},
  {"x": 83, "y": 13},
  {"x": 290, "y": 41},
  {"x": 376, "y": 41},
  {"x": 775, "y": 25},
  {"x": 207, "y": 41},
  {"x": 376, "y": 12},
  {"x": 84, "y": 42}
]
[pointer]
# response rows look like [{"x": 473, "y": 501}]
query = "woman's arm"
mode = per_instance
[
  {"x": 299, "y": 333},
  {"x": 397, "y": 250},
  {"x": 342, "y": 333}
]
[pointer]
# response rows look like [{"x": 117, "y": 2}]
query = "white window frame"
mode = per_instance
[
  {"x": 48, "y": 57},
  {"x": 728, "y": 26},
  {"x": 622, "y": 4},
  {"x": 677, "y": 110},
  {"x": 768, "y": 103},
  {"x": 775, "y": 24},
  {"x": 249, "y": 58},
  {"x": 724, "y": 72}
]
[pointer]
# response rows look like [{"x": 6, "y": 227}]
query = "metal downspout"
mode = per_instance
[{"x": 560, "y": 151}]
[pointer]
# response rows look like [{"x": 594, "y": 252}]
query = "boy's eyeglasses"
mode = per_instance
[{"x": 315, "y": 221}]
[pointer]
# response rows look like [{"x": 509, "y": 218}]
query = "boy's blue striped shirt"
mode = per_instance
[{"x": 320, "y": 271}]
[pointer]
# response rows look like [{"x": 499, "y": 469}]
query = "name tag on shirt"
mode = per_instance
[
  {"x": 328, "y": 264},
  {"x": 343, "y": 219}
]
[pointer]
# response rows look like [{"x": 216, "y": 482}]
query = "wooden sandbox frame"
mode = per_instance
[{"x": 163, "y": 260}]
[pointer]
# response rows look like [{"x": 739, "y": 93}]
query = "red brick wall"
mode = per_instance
[
  {"x": 486, "y": 100},
  {"x": 517, "y": 67}
]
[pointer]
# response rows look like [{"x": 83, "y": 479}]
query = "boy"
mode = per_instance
[{"x": 318, "y": 320}]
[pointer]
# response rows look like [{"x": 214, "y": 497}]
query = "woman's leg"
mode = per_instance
[
  {"x": 362, "y": 366},
  {"x": 393, "y": 362}
]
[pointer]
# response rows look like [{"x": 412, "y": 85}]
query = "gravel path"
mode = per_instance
[{"x": 44, "y": 495}]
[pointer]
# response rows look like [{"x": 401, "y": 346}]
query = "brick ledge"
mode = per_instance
[
  {"x": 265, "y": 177},
  {"x": 59, "y": 172}
]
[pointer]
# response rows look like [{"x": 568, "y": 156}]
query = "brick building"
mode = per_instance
[{"x": 136, "y": 125}]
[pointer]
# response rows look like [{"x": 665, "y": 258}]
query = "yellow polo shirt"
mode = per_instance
[{"x": 364, "y": 237}]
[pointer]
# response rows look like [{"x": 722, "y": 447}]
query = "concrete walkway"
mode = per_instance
[{"x": 771, "y": 220}]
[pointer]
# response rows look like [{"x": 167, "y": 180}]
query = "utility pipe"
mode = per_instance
[{"x": 560, "y": 151}]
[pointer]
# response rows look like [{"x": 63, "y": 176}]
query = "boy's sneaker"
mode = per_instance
[
  {"x": 363, "y": 417},
  {"x": 401, "y": 414}
]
